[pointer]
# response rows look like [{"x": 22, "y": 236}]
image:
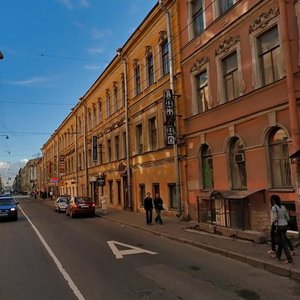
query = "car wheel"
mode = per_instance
[{"x": 16, "y": 218}]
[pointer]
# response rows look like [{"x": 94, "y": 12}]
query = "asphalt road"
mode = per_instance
[{"x": 47, "y": 255}]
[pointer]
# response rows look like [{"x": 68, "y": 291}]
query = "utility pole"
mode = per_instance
[{"x": 172, "y": 87}]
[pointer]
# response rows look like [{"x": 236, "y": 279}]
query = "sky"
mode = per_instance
[{"x": 54, "y": 50}]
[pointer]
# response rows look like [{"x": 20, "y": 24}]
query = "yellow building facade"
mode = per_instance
[{"x": 112, "y": 146}]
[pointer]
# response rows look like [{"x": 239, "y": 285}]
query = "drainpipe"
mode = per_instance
[
  {"x": 119, "y": 52},
  {"x": 291, "y": 94},
  {"x": 172, "y": 87}
]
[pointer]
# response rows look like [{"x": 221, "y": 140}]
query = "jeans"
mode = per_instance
[
  {"x": 282, "y": 243},
  {"x": 149, "y": 216},
  {"x": 158, "y": 217}
]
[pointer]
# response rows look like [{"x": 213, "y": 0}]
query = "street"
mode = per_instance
[{"x": 47, "y": 255}]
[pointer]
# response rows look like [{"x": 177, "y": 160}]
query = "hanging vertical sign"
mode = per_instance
[
  {"x": 61, "y": 164},
  {"x": 95, "y": 153},
  {"x": 170, "y": 118}
]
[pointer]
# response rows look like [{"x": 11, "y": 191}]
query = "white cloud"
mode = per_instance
[
  {"x": 28, "y": 82},
  {"x": 70, "y": 4},
  {"x": 100, "y": 34},
  {"x": 4, "y": 165},
  {"x": 92, "y": 67},
  {"x": 95, "y": 50}
]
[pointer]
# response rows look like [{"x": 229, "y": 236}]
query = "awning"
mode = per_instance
[
  {"x": 228, "y": 194},
  {"x": 295, "y": 154},
  {"x": 243, "y": 194}
]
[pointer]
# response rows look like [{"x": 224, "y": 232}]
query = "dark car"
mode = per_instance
[
  {"x": 80, "y": 206},
  {"x": 8, "y": 208}
]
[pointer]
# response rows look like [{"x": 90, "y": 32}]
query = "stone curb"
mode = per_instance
[{"x": 287, "y": 270}]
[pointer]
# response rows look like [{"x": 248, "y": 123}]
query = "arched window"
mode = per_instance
[
  {"x": 207, "y": 167},
  {"x": 237, "y": 164},
  {"x": 279, "y": 159}
]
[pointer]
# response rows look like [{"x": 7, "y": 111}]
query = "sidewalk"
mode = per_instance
[{"x": 245, "y": 251}]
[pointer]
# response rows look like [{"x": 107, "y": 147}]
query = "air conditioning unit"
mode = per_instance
[{"x": 239, "y": 157}]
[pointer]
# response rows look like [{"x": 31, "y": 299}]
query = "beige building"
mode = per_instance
[{"x": 112, "y": 146}]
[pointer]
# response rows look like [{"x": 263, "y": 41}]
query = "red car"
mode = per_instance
[{"x": 80, "y": 206}]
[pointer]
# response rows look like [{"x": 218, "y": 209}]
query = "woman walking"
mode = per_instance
[{"x": 280, "y": 219}]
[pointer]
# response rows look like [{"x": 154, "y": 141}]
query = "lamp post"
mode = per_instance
[{"x": 119, "y": 51}]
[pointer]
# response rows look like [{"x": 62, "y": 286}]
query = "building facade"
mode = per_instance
[
  {"x": 112, "y": 146},
  {"x": 240, "y": 67}
]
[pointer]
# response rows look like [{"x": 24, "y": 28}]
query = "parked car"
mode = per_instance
[
  {"x": 81, "y": 206},
  {"x": 8, "y": 208},
  {"x": 61, "y": 203}
]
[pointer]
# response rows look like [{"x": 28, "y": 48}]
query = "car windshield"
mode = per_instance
[
  {"x": 63, "y": 200},
  {"x": 83, "y": 199},
  {"x": 7, "y": 202}
]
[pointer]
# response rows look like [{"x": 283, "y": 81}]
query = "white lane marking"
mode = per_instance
[
  {"x": 120, "y": 253},
  {"x": 67, "y": 277}
]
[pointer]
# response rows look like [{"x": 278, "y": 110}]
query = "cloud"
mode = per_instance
[
  {"x": 4, "y": 165},
  {"x": 91, "y": 67},
  {"x": 95, "y": 50},
  {"x": 28, "y": 82},
  {"x": 100, "y": 34},
  {"x": 71, "y": 4}
]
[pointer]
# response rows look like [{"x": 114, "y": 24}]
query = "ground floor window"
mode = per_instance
[
  {"x": 142, "y": 194},
  {"x": 231, "y": 213},
  {"x": 172, "y": 196}
]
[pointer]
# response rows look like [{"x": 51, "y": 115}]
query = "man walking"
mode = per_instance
[
  {"x": 158, "y": 205},
  {"x": 148, "y": 206}
]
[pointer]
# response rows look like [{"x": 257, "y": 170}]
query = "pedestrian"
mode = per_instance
[
  {"x": 148, "y": 206},
  {"x": 158, "y": 205},
  {"x": 280, "y": 218},
  {"x": 273, "y": 234}
]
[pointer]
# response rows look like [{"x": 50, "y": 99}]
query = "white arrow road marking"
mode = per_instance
[{"x": 133, "y": 250}]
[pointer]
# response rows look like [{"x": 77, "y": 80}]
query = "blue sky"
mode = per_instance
[{"x": 54, "y": 50}]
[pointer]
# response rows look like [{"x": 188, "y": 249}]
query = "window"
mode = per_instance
[
  {"x": 150, "y": 69},
  {"x": 89, "y": 125},
  {"x": 237, "y": 164},
  {"x": 197, "y": 15},
  {"x": 139, "y": 139},
  {"x": 117, "y": 147},
  {"x": 230, "y": 76},
  {"x": 269, "y": 56},
  {"x": 107, "y": 103},
  {"x": 115, "y": 108},
  {"x": 124, "y": 144},
  {"x": 165, "y": 57},
  {"x": 172, "y": 195},
  {"x": 202, "y": 91},
  {"x": 224, "y": 5},
  {"x": 94, "y": 115},
  {"x": 101, "y": 154},
  {"x": 279, "y": 159},
  {"x": 142, "y": 194},
  {"x": 109, "y": 151},
  {"x": 137, "y": 78},
  {"x": 153, "y": 133},
  {"x": 100, "y": 111},
  {"x": 207, "y": 168}
]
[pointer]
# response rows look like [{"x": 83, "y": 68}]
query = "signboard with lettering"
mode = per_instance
[
  {"x": 95, "y": 152},
  {"x": 170, "y": 117}
]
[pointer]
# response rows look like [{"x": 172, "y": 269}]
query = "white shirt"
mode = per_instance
[{"x": 279, "y": 215}]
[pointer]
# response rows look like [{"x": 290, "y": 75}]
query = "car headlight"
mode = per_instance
[{"x": 13, "y": 209}]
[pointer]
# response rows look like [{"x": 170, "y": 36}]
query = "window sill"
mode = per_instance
[{"x": 282, "y": 190}]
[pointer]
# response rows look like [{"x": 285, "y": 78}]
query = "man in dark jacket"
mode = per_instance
[
  {"x": 148, "y": 205},
  {"x": 158, "y": 205}
]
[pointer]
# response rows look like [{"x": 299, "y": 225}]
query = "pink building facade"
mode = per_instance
[{"x": 240, "y": 68}]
